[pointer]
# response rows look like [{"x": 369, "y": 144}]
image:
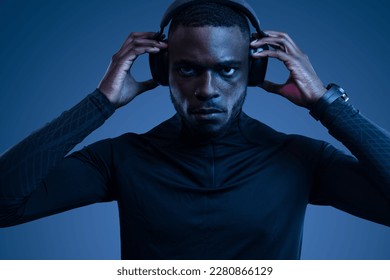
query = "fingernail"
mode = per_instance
[
  {"x": 259, "y": 50},
  {"x": 163, "y": 43}
]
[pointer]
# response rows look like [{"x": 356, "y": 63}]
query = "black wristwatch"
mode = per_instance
[{"x": 334, "y": 92}]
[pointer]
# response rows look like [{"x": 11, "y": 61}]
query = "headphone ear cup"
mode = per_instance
[
  {"x": 257, "y": 68},
  {"x": 159, "y": 67}
]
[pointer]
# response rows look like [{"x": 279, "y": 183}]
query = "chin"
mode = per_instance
[{"x": 209, "y": 130}]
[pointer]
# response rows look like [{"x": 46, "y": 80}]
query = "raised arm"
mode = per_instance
[
  {"x": 360, "y": 185},
  {"x": 25, "y": 191}
]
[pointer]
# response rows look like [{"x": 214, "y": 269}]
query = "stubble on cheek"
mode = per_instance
[{"x": 211, "y": 129}]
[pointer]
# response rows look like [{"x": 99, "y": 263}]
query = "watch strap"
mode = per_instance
[{"x": 333, "y": 92}]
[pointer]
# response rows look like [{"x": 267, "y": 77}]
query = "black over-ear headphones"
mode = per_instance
[{"x": 159, "y": 62}]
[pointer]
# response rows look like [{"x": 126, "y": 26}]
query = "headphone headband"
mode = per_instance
[{"x": 241, "y": 5}]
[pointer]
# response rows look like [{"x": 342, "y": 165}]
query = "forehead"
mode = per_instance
[{"x": 207, "y": 44}]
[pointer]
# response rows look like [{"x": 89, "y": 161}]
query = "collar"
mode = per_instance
[{"x": 243, "y": 131}]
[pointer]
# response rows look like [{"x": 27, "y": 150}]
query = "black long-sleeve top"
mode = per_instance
[{"x": 239, "y": 196}]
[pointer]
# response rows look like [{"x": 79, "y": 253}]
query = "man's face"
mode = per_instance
[{"x": 208, "y": 74}]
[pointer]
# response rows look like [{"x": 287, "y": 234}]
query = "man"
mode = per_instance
[{"x": 210, "y": 176}]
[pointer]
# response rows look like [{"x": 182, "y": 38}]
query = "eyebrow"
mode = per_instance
[{"x": 223, "y": 63}]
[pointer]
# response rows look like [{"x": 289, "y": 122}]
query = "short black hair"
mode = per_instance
[{"x": 209, "y": 13}]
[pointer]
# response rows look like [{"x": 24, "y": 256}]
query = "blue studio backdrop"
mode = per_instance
[{"x": 54, "y": 52}]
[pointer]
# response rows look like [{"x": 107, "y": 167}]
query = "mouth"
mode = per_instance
[
  {"x": 207, "y": 114},
  {"x": 205, "y": 111}
]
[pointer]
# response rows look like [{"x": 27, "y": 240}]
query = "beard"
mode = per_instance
[{"x": 209, "y": 130}]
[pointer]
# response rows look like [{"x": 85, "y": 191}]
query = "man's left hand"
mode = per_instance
[{"x": 303, "y": 87}]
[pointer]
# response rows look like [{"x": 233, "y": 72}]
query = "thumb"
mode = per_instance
[
  {"x": 147, "y": 85},
  {"x": 271, "y": 87}
]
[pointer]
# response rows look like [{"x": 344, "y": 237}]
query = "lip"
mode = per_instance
[
  {"x": 207, "y": 114},
  {"x": 205, "y": 111}
]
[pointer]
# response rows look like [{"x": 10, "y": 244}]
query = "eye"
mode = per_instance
[
  {"x": 227, "y": 71},
  {"x": 186, "y": 71}
]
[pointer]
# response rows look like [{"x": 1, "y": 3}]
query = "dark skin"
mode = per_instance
[
  {"x": 118, "y": 85},
  {"x": 303, "y": 87},
  {"x": 208, "y": 81}
]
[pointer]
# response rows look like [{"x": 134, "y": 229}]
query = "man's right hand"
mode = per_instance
[{"x": 118, "y": 85}]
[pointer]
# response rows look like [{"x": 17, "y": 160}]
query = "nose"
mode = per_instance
[{"x": 206, "y": 88}]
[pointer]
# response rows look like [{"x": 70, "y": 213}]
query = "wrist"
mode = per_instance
[
  {"x": 333, "y": 93},
  {"x": 109, "y": 97},
  {"x": 319, "y": 94}
]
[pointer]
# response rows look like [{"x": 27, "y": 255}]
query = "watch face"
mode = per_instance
[
  {"x": 332, "y": 85},
  {"x": 345, "y": 97},
  {"x": 339, "y": 89}
]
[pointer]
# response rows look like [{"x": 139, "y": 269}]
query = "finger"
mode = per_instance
[
  {"x": 283, "y": 35},
  {"x": 277, "y": 43},
  {"x": 278, "y": 39},
  {"x": 145, "y": 43},
  {"x": 258, "y": 42},
  {"x": 124, "y": 62},
  {"x": 149, "y": 42},
  {"x": 278, "y": 54},
  {"x": 134, "y": 35},
  {"x": 135, "y": 52},
  {"x": 141, "y": 43}
]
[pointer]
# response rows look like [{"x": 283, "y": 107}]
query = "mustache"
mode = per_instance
[{"x": 206, "y": 108}]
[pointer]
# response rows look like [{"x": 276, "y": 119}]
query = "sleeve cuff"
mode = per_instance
[
  {"x": 102, "y": 103},
  {"x": 333, "y": 93}
]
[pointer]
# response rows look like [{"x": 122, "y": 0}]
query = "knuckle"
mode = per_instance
[
  {"x": 115, "y": 57},
  {"x": 283, "y": 35},
  {"x": 137, "y": 42},
  {"x": 279, "y": 52},
  {"x": 138, "y": 51},
  {"x": 283, "y": 40},
  {"x": 131, "y": 38},
  {"x": 305, "y": 56}
]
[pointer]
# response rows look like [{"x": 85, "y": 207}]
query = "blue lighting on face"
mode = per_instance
[{"x": 54, "y": 54}]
